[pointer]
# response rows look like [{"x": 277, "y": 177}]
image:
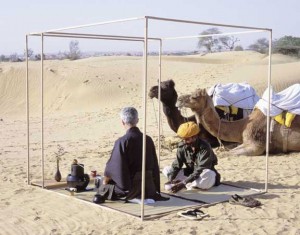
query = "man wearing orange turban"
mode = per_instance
[{"x": 198, "y": 158}]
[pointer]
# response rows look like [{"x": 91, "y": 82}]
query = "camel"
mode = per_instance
[
  {"x": 173, "y": 114},
  {"x": 250, "y": 132},
  {"x": 168, "y": 98},
  {"x": 174, "y": 117}
]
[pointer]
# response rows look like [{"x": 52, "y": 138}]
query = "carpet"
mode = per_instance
[{"x": 184, "y": 199}]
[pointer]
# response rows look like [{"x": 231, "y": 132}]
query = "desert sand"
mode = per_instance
[{"x": 82, "y": 100}]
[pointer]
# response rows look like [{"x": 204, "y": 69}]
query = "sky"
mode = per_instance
[{"x": 19, "y": 17}]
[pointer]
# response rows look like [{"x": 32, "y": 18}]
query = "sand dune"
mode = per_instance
[
  {"x": 86, "y": 85},
  {"x": 82, "y": 102}
]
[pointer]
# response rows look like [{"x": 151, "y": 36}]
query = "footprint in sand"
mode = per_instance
[{"x": 18, "y": 191}]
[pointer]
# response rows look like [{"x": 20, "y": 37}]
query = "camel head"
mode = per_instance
[
  {"x": 168, "y": 92},
  {"x": 196, "y": 101}
]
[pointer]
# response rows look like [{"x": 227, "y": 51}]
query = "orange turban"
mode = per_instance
[{"x": 188, "y": 129}]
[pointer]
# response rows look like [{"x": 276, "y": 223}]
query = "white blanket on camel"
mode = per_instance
[
  {"x": 240, "y": 95},
  {"x": 286, "y": 100}
]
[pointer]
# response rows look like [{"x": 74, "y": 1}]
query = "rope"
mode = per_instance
[
  {"x": 233, "y": 102},
  {"x": 243, "y": 99},
  {"x": 219, "y": 129},
  {"x": 184, "y": 110},
  {"x": 218, "y": 134},
  {"x": 272, "y": 104}
]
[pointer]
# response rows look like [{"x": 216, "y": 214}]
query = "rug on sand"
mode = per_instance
[{"x": 184, "y": 199}]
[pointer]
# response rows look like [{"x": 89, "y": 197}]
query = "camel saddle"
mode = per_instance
[
  {"x": 287, "y": 100},
  {"x": 240, "y": 95}
]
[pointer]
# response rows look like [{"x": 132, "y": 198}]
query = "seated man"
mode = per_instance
[
  {"x": 123, "y": 171},
  {"x": 199, "y": 159}
]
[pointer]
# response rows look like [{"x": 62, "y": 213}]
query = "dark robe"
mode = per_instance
[{"x": 125, "y": 163}]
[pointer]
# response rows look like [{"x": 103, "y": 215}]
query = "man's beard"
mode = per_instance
[{"x": 192, "y": 144}]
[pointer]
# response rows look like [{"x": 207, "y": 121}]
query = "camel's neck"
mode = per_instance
[
  {"x": 174, "y": 117},
  {"x": 222, "y": 129}
]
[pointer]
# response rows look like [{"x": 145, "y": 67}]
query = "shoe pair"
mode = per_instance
[{"x": 244, "y": 201}]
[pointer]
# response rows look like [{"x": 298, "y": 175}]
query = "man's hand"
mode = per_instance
[
  {"x": 175, "y": 181},
  {"x": 169, "y": 184},
  {"x": 177, "y": 187},
  {"x": 172, "y": 182}
]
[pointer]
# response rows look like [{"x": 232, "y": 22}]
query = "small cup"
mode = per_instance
[{"x": 93, "y": 173}]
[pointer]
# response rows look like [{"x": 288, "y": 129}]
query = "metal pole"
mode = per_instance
[
  {"x": 159, "y": 98},
  {"x": 145, "y": 117},
  {"x": 95, "y": 24},
  {"x": 27, "y": 113},
  {"x": 100, "y": 36},
  {"x": 268, "y": 113},
  {"x": 203, "y": 23},
  {"x": 215, "y": 34},
  {"x": 42, "y": 110},
  {"x": 91, "y": 37}
]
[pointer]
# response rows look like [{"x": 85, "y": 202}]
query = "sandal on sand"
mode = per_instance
[
  {"x": 244, "y": 201},
  {"x": 193, "y": 214}
]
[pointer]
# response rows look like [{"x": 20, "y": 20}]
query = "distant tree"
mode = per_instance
[
  {"x": 238, "y": 48},
  {"x": 210, "y": 43},
  {"x": 287, "y": 41},
  {"x": 229, "y": 42},
  {"x": 287, "y": 45},
  {"x": 38, "y": 57},
  {"x": 61, "y": 55},
  {"x": 14, "y": 58},
  {"x": 3, "y": 58},
  {"x": 261, "y": 45},
  {"x": 214, "y": 43},
  {"x": 30, "y": 53},
  {"x": 74, "y": 52}
]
